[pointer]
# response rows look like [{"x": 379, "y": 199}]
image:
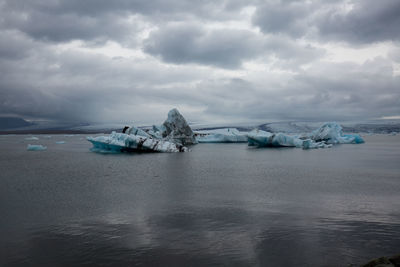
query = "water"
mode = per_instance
[{"x": 219, "y": 205}]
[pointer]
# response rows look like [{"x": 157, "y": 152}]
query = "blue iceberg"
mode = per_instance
[
  {"x": 35, "y": 148},
  {"x": 121, "y": 142},
  {"x": 332, "y": 133},
  {"x": 225, "y": 135},
  {"x": 266, "y": 139},
  {"x": 328, "y": 134},
  {"x": 172, "y": 136}
]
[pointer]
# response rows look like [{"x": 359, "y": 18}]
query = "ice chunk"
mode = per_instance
[
  {"x": 60, "y": 142},
  {"x": 35, "y": 147},
  {"x": 266, "y": 139},
  {"x": 157, "y": 131},
  {"x": 332, "y": 133},
  {"x": 120, "y": 142},
  {"x": 328, "y": 134},
  {"x": 32, "y": 138},
  {"x": 225, "y": 135},
  {"x": 177, "y": 130},
  {"x": 136, "y": 131}
]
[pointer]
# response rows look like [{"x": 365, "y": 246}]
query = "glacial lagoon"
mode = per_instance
[{"x": 218, "y": 205}]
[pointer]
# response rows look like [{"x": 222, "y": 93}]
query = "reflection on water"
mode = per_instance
[
  {"x": 212, "y": 237},
  {"x": 220, "y": 205}
]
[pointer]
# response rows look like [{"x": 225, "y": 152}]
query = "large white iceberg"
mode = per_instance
[
  {"x": 328, "y": 134},
  {"x": 262, "y": 138},
  {"x": 332, "y": 133},
  {"x": 121, "y": 142},
  {"x": 225, "y": 135}
]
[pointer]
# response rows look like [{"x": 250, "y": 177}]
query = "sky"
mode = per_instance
[{"x": 217, "y": 61}]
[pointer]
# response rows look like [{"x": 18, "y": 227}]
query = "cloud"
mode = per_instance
[
  {"x": 13, "y": 45},
  {"x": 194, "y": 44},
  {"x": 215, "y": 60},
  {"x": 283, "y": 17},
  {"x": 98, "y": 21},
  {"x": 356, "y": 21},
  {"x": 41, "y": 24},
  {"x": 368, "y": 21}
]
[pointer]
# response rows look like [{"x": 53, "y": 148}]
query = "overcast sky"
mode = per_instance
[{"x": 217, "y": 61}]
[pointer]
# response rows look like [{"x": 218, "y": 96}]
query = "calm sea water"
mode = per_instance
[{"x": 219, "y": 205}]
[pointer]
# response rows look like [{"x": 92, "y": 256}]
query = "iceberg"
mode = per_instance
[
  {"x": 176, "y": 129},
  {"x": 32, "y": 138},
  {"x": 172, "y": 136},
  {"x": 225, "y": 135},
  {"x": 35, "y": 147},
  {"x": 332, "y": 133},
  {"x": 325, "y": 136},
  {"x": 262, "y": 138},
  {"x": 121, "y": 142}
]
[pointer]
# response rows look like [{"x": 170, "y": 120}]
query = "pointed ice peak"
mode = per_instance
[{"x": 177, "y": 129}]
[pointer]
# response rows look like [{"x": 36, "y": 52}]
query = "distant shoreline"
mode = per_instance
[{"x": 56, "y": 131}]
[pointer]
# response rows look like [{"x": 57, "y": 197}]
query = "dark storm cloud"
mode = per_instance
[
  {"x": 99, "y": 20},
  {"x": 368, "y": 21},
  {"x": 118, "y": 7},
  {"x": 291, "y": 54},
  {"x": 361, "y": 22},
  {"x": 287, "y": 17},
  {"x": 91, "y": 88},
  {"x": 14, "y": 46},
  {"x": 193, "y": 44},
  {"x": 39, "y": 23},
  {"x": 215, "y": 70},
  {"x": 324, "y": 92}
]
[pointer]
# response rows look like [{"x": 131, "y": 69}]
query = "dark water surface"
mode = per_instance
[{"x": 219, "y": 205}]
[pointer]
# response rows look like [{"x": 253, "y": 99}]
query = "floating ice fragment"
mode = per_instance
[
  {"x": 35, "y": 147},
  {"x": 32, "y": 138},
  {"x": 60, "y": 142},
  {"x": 225, "y": 135}
]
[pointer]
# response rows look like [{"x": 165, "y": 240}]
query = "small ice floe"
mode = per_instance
[
  {"x": 69, "y": 135},
  {"x": 32, "y": 138},
  {"x": 35, "y": 147},
  {"x": 393, "y": 133},
  {"x": 47, "y": 136},
  {"x": 60, "y": 142}
]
